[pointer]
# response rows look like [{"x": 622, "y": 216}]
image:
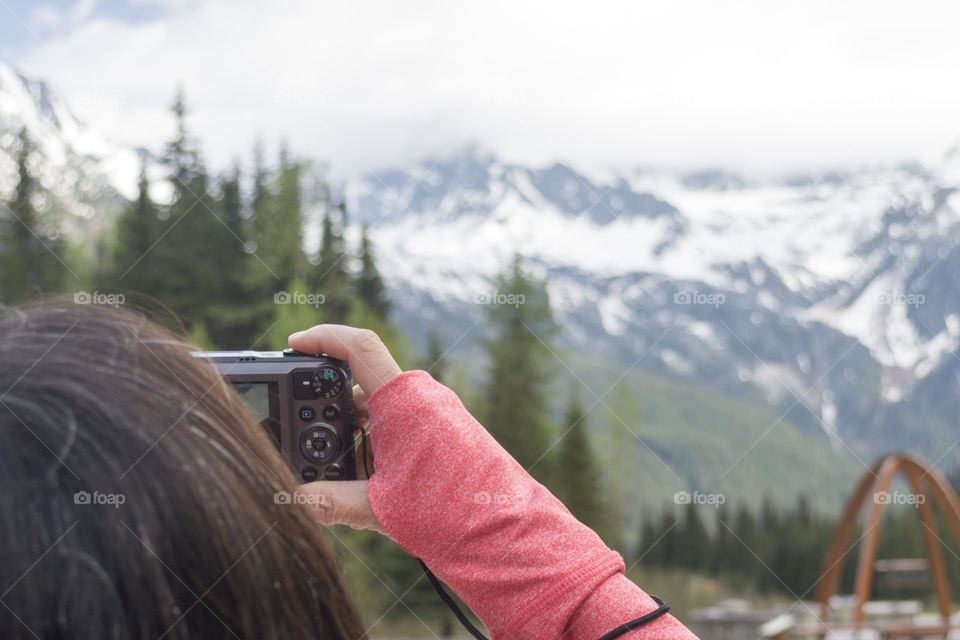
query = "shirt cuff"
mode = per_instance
[{"x": 616, "y": 601}]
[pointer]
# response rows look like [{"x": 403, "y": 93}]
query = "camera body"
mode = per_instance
[{"x": 305, "y": 403}]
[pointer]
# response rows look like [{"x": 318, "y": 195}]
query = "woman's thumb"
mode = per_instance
[{"x": 341, "y": 502}]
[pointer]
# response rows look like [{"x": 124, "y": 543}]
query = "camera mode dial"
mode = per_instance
[{"x": 328, "y": 382}]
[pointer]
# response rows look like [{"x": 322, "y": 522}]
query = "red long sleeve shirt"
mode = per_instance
[{"x": 449, "y": 494}]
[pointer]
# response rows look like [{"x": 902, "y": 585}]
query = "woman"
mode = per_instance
[{"x": 137, "y": 499}]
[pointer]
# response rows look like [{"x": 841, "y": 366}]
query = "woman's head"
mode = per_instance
[{"x": 137, "y": 494}]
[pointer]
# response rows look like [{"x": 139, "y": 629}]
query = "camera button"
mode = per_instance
[
  {"x": 309, "y": 474},
  {"x": 333, "y": 472},
  {"x": 307, "y": 414},
  {"x": 331, "y": 412}
]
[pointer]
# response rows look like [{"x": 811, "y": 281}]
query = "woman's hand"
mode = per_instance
[
  {"x": 372, "y": 365},
  {"x": 448, "y": 493}
]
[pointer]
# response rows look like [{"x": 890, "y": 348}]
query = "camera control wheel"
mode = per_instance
[{"x": 319, "y": 443}]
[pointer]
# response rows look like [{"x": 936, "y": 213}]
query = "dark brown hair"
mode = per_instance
[{"x": 137, "y": 494}]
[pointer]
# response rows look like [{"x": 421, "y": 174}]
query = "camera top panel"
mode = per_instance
[{"x": 287, "y": 355}]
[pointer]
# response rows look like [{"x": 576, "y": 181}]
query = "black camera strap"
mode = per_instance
[{"x": 447, "y": 600}]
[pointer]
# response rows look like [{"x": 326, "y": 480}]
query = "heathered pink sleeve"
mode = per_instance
[{"x": 450, "y": 495}]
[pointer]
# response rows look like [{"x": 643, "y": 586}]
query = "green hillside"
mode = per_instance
[{"x": 657, "y": 436}]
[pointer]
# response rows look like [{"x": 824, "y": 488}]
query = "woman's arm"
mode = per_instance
[{"x": 449, "y": 494}]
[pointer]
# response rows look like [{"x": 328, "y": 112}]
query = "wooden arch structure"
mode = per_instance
[{"x": 924, "y": 481}]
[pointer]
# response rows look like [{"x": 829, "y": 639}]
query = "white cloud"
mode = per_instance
[
  {"x": 755, "y": 85},
  {"x": 47, "y": 18}
]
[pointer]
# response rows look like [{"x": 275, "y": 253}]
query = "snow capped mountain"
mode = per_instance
[
  {"x": 82, "y": 173},
  {"x": 832, "y": 296}
]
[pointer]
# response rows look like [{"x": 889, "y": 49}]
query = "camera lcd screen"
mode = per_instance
[{"x": 257, "y": 395}]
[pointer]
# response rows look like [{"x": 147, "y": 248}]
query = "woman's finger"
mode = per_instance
[
  {"x": 359, "y": 404},
  {"x": 371, "y": 363},
  {"x": 362, "y": 452},
  {"x": 341, "y": 502}
]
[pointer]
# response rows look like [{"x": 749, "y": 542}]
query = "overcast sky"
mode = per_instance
[{"x": 756, "y": 86}]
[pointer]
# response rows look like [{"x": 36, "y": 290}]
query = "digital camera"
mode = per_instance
[{"x": 304, "y": 402}]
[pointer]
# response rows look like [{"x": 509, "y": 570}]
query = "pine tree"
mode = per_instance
[
  {"x": 769, "y": 518},
  {"x": 745, "y": 527},
  {"x": 237, "y": 323},
  {"x": 661, "y": 545},
  {"x": 264, "y": 282},
  {"x": 434, "y": 360},
  {"x": 330, "y": 276},
  {"x": 370, "y": 288},
  {"x": 645, "y": 552},
  {"x": 724, "y": 544},
  {"x": 516, "y": 393},
  {"x": 182, "y": 157},
  {"x": 277, "y": 225},
  {"x": 288, "y": 217},
  {"x": 804, "y": 517},
  {"x": 232, "y": 206},
  {"x": 261, "y": 189},
  {"x": 137, "y": 232},
  {"x": 623, "y": 413},
  {"x": 694, "y": 539},
  {"x": 32, "y": 248},
  {"x": 189, "y": 260},
  {"x": 577, "y": 479}
]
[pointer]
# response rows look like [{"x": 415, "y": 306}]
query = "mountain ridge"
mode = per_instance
[
  {"x": 751, "y": 278},
  {"x": 832, "y": 299}
]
